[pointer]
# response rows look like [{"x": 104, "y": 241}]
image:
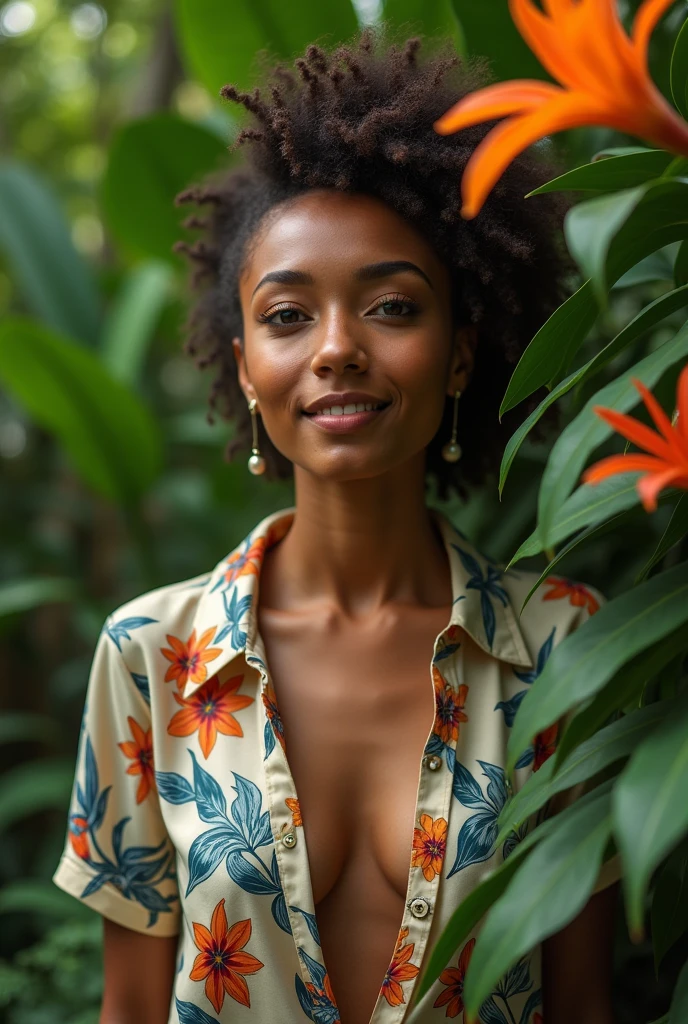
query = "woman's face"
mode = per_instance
[{"x": 340, "y": 295}]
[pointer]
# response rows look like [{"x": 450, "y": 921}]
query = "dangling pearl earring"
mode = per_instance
[
  {"x": 256, "y": 462},
  {"x": 452, "y": 450}
]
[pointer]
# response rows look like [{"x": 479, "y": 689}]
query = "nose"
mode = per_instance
[{"x": 338, "y": 347}]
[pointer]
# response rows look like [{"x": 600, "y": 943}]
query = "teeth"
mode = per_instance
[
  {"x": 368, "y": 406},
  {"x": 347, "y": 410}
]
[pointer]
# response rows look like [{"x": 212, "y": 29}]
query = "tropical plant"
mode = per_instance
[{"x": 618, "y": 681}]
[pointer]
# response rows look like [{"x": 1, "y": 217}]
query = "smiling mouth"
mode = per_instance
[{"x": 349, "y": 410}]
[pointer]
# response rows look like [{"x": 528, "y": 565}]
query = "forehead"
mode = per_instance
[{"x": 324, "y": 229}]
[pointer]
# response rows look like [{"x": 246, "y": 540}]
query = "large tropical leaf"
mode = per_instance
[
  {"x": 151, "y": 160},
  {"x": 650, "y": 807},
  {"x": 220, "y": 41},
  {"x": 679, "y": 70},
  {"x": 584, "y": 661},
  {"x": 431, "y": 18},
  {"x": 20, "y": 595},
  {"x": 647, "y": 318},
  {"x": 669, "y": 918},
  {"x": 610, "y": 173},
  {"x": 110, "y": 436},
  {"x": 34, "y": 786},
  {"x": 573, "y": 446},
  {"x": 546, "y": 892},
  {"x": 659, "y": 219},
  {"x": 53, "y": 278},
  {"x": 132, "y": 318}
]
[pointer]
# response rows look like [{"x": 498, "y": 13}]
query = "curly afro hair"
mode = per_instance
[{"x": 360, "y": 119}]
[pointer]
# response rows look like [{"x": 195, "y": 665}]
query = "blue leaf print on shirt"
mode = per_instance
[
  {"x": 268, "y": 738},
  {"x": 310, "y": 921},
  {"x": 534, "y": 1000},
  {"x": 487, "y": 586},
  {"x": 235, "y": 610},
  {"x": 510, "y": 707},
  {"x": 315, "y": 999},
  {"x": 477, "y": 835},
  {"x": 141, "y": 683},
  {"x": 118, "y": 631},
  {"x": 134, "y": 871},
  {"x": 210, "y": 800},
  {"x": 174, "y": 788},
  {"x": 189, "y": 1013}
]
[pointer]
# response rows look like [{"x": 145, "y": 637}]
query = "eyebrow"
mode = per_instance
[{"x": 370, "y": 272}]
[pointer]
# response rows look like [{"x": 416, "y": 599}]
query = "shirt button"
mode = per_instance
[
  {"x": 432, "y": 761},
  {"x": 419, "y": 907},
  {"x": 289, "y": 839}
]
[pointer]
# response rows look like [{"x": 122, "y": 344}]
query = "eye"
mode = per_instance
[
  {"x": 285, "y": 313},
  {"x": 394, "y": 306}
]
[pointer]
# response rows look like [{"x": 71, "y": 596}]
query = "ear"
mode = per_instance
[
  {"x": 463, "y": 358},
  {"x": 244, "y": 382}
]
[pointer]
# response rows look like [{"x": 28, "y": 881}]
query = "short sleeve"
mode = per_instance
[
  {"x": 118, "y": 857},
  {"x": 610, "y": 871}
]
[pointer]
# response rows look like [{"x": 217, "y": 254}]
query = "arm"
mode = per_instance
[
  {"x": 139, "y": 974},
  {"x": 577, "y": 965}
]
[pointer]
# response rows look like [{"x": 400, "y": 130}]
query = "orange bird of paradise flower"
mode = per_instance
[
  {"x": 667, "y": 463},
  {"x": 209, "y": 710},
  {"x": 140, "y": 751},
  {"x": 189, "y": 659},
  {"x": 399, "y": 970},
  {"x": 604, "y": 80},
  {"x": 222, "y": 960},
  {"x": 579, "y": 596}
]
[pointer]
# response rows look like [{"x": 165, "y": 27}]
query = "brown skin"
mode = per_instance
[{"x": 353, "y": 597}]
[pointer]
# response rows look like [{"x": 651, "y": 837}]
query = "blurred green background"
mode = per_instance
[{"x": 112, "y": 480}]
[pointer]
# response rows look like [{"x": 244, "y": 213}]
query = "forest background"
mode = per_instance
[{"x": 112, "y": 480}]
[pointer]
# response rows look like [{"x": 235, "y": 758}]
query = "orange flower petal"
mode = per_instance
[
  {"x": 245, "y": 963},
  {"x": 236, "y": 987},
  {"x": 659, "y": 417},
  {"x": 202, "y": 938},
  {"x": 646, "y": 18},
  {"x": 649, "y": 487},
  {"x": 682, "y": 404},
  {"x": 613, "y": 464},
  {"x": 207, "y": 735},
  {"x": 218, "y": 922},
  {"x": 239, "y": 934},
  {"x": 215, "y": 989},
  {"x": 495, "y": 101},
  {"x": 183, "y": 723},
  {"x": 201, "y": 965},
  {"x": 502, "y": 144}
]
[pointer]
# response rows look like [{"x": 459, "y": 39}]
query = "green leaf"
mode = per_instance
[
  {"x": 669, "y": 916},
  {"x": 151, "y": 160},
  {"x": 626, "y": 686},
  {"x": 647, "y": 318},
  {"x": 658, "y": 220},
  {"x": 132, "y": 319},
  {"x": 55, "y": 280},
  {"x": 675, "y": 531},
  {"x": 36, "y": 896},
  {"x": 589, "y": 228},
  {"x": 489, "y": 30},
  {"x": 547, "y": 891},
  {"x": 678, "y": 74},
  {"x": 477, "y": 901},
  {"x": 616, "y": 741},
  {"x": 27, "y": 727},
  {"x": 658, "y": 266},
  {"x": 678, "y": 1011},
  {"x": 611, "y": 173},
  {"x": 431, "y": 18},
  {"x": 586, "y": 659},
  {"x": 22, "y": 595},
  {"x": 220, "y": 41},
  {"x": 32, "y": 787},
  {"x": 587, "y": 431},
  {"x": 589, "y": 505},
  {"x": 681, "y": 264},
  {"x": 650, "y": 807},
  {"x": 110, "y": 436}
]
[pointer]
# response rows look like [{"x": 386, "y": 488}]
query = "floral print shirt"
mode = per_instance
[{"x": 185, "y": 821}]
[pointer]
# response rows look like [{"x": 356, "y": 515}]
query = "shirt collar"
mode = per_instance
[{"x": 225, "y": 621}]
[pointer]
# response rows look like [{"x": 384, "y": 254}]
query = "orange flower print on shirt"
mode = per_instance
[
  {"x": 449, "y": 705},
  {"x": 545, "y": 745},
  {"x": 578, "y": 595},
  {"x": 399, "y": 970},
  {"x": 140, "y": 751},
  {"x": 222, "y": 961},
  {"x": 293, "y": 806},
  {"x": 246, "y": 562},
  {"x": 272, "y": 711},
  {"x": 209, "y": 710},
  {"x": 453, "y": 978},
  {"x": 78, "y": 836},
  {"x": 189, "y": 658},
  {"x": 429, "y": 844}
]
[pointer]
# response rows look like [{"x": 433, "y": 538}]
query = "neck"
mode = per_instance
[{"x": 358, "y": 545}]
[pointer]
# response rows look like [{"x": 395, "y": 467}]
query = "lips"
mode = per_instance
[{"x": 349, "y": 409}]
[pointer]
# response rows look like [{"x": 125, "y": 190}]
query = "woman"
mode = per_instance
[{"x": 305, "y": 811}]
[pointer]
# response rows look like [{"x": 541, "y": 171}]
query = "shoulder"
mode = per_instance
[
  {"x": 143, "y": 622},
  {"x": 557, "y": 607}
]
